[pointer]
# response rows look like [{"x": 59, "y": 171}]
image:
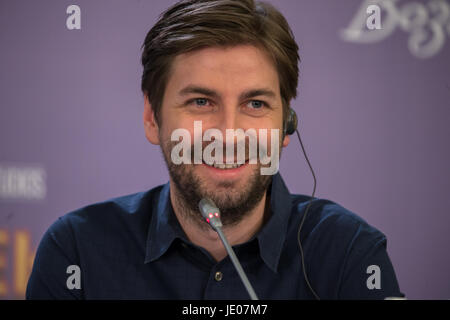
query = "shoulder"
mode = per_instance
[
  {"x": 332, "y": 222},
  {"x": 340, "y": 246},
  {"x": 105, "y": 219},
  {"x": 90, "y": 237}
]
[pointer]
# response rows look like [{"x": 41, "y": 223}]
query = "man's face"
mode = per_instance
[{"x": 224, "y": 88}]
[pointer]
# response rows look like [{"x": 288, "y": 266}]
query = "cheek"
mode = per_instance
[{"x": 175, "y": 133}]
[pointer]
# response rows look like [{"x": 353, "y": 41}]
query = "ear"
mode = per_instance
[
  {"x": 150, "y": 125},
  {"x": 286, "y": 140}
]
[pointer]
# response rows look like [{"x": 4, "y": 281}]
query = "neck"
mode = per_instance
[{"x": 207, "y": 238}]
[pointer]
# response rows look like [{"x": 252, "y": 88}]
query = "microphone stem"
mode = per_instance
[{"x": 237, "y": 265}]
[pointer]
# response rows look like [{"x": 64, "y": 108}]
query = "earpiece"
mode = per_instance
[{"x": 291, "y": 122}]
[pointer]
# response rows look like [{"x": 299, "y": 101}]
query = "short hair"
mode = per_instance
[{"x": 191, "y": 25}]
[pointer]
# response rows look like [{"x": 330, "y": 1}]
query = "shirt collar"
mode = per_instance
[
  {"x": 272, "y": 236},
  {"x": 164, "y": 227}
]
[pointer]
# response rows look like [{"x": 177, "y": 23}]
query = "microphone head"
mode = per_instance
[{"x": 210, "y": 212}]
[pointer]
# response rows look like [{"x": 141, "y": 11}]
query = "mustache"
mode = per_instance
[
  {"x": 237, "y": 148},
  {"x": 236, "y": 152}
]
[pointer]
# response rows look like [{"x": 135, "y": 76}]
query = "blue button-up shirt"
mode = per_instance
[{"x": 133, "y": 247}]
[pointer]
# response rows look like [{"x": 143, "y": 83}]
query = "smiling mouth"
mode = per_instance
[{"x": 225, "y": 166}]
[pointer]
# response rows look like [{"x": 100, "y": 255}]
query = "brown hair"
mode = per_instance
[{"x": 194, "y": 24}]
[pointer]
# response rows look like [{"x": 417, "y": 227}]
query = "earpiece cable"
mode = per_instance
[{"x": 304, "y": 217}]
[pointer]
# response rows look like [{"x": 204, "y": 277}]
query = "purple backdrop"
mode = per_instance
[{"x": 373, "y": 107}]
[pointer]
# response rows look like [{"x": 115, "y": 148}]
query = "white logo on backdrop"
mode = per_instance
[
  {"x": 27, "y": 183},
  {"x": 73, "y": 22},
  {"x": 427, "y": 24}
]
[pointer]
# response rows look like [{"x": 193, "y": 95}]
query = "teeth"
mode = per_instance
[{"x": 226, "y": 166}]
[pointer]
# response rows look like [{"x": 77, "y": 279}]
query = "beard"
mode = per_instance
[{"x": 235, "y": 202}]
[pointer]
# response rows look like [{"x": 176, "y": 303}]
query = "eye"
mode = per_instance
[
  {"x": 256, "y": 104},
  {"x": 201, "y": 102}
]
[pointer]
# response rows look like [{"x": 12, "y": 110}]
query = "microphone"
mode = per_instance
[{"x": 211, "y": 213}]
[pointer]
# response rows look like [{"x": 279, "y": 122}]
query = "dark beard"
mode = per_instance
[{"x": 234, "y": 204}]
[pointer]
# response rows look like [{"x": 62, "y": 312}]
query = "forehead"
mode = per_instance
[{"x": 224, "y": 67}]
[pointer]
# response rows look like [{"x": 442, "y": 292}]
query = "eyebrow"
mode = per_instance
[{"x": 211, "y": 93}]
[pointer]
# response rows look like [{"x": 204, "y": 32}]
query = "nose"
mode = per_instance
[
  {"x": 227, "y": 118},
  {"x": 230, "y": 118}
]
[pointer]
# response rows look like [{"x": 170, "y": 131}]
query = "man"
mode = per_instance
[{"x": 224, "y": 64}]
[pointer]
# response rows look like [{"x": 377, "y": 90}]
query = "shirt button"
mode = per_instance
[{"x": 218, "y": 276}]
